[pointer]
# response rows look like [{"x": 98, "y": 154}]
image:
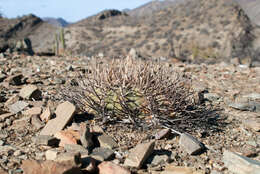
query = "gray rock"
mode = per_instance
[
  {"x": 139, "y": 154},
  {"x": 211, "y": 96},
  {"x": 86, "y": 136},
  {"x": 253, "y": 96},
  {"x": 239, "y": 164},
  {"x": 246, "y": 106},
  {"x": 162, "y": 133},
  {"x": 51, "y": 154},
  {"x": 75, "y": 148},
  {"x": 46, "y": 140},
  {"x": 102, "y": 154},
  {"x": 107, "y": 141},
  {"x": 17, "y": 107},
  {"x": 252, "y": 124},
  {"x": 159, "y": 159},
  {"x": 191, "y": 144}
]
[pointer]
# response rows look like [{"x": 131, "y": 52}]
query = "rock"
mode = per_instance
[
  {"x": 107, "y": 141},
  {"x": 211, "y": 96},
  {"x": 36, "y": 122},
  {"x": 85, "y": 136},
  {"x": 107, "y": 167},
  {"x": 159, "y": 159},
  {"x": 162, "y": 133},
  {"x": 17, "y": 107},
  {"x": 67, "y": 137},
  {"x": 190, "y": 144},
  {"x": 12, "y": 100},
  {"x": 51, "y": 154},
  {"x": 64, "y": 114},
  {"x": 46, "y": 115},
  {"x": 97, "y": 129},
  {"x": 33, "y": 111},
  {"x": 72, "y": 157},
  {"x": 180, "y": 170},
  {"x": 5, "y": 116},
  {"x": 75, "y": 148},
  {"x": 46, "y": 140},
  {"x": 252, "y": 96},
  {"x": 102, "y": 154},
  {"x": 49, "y": 167},
  {"x": 239, "y": 164},
  {"x": 244, "y": 106},
  {"x": 253, "y": 124},
  {"x": 14, "y": 80},
  {"x": 30, "y": 92},
  {"x": 139, "y": 154},
  {"x": 88, "y": 164}
]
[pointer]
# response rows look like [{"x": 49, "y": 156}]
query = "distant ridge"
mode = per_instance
[{"x": 58, "y": 22}]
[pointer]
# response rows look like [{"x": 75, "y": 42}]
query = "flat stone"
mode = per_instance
[
  {"x": 139, "y": 154},
  {"x": 46, "y": 140},
  {"x": 190, "y": 144},
  {"x": 72, "y": 157},
  {"x": 51, "y": 154},
  {"x": 33, "y": 111},
  {"x": 67, "y": 137},
  {"x": 102, "y": 154},
  {"x": 30, "y": 92},
  {"x": 253, "y": 96},
  {"x": 12, "y": 100},
  {"x": 107, "y": 141},
  {"x": 243, "y": 106},
  {"x": 14, "y": 79},
  {"x": 85, "y": 136},
  {"x": 17, "y": 107},
  {"x": 252, "y": 124},
  {"x": 162, "y": 134},
  {"x": 5, "y": 116},
  {"x": 239, "y": 164},
  {"x": 36, "y": 122},
  {"x": 64, "y": 114},
  {"x": 159, "y": 159},
  {"x": 49, "y": 167},
  {"x": 46, "y": 115},
  {"x": 211, "y": 96},
  {"x": 75, "y": 148},
  {"x": 107, "y": 167},
  {"x": 180, "y": 170}
]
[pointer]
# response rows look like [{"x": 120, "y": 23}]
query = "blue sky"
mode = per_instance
[{"x": 71, "y": 10}]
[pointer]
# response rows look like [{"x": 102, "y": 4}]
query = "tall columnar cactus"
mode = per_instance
[
  {"x": 59, "y": 45},
  {"x": 62, "y": 39},
  {"x": 56, "y": 44}
]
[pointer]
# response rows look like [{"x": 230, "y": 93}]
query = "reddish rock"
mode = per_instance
[
  {"x": 64, "y": 114},
  {"x": 111, "y": 168},
  {"x": 49, "y": 167},
  {"x": 67, "y": 137},
  {"x": 3, "y": 172}
]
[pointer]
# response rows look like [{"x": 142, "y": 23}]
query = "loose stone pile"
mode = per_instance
[{"x": 39, "y": 134}]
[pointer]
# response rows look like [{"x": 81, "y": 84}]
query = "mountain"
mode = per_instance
[
  {"x": 193, "y": 30},
  {"x": 40, "y": 33},
  {"x": 58, "y": 22},
  {"x": 252, "y": 8}
]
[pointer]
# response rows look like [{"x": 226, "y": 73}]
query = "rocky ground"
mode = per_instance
[{"x": 33, "y": 141}]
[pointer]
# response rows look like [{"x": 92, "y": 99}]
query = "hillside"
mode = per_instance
[
  {"x": 58, "y": 22},
  {"x": 39, "y": 32},
  {"x": 175, "y": 32}
]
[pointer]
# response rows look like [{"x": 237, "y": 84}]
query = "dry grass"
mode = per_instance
[{"x": 138, "y": 93}]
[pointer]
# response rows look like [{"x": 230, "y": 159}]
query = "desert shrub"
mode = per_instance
[{"x": 138, "y": 93}]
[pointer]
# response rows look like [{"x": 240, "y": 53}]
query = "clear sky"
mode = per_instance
[{"x": 71, "y": 10}]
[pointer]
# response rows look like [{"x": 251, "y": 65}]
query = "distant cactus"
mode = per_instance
[{"x": 59, "y": 46}]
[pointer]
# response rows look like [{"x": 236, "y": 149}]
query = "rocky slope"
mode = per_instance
[
  {"x": 30, "y": 114},
  {"x": 58, "y": 22},
  {"x": 198, "y": 30},
  {"x": 39, "y": 32}
]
